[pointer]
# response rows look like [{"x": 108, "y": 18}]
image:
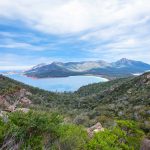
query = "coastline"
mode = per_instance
[
  {"x": 62, "y": 84},
  {"x": 100, "y": 76}
]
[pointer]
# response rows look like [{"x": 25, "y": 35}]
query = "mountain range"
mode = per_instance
[{"x": 121, "y": 68}]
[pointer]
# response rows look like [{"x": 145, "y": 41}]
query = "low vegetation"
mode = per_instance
[
  {"x": 43, "y": 130},
  {"x": 122, "y": 106}
]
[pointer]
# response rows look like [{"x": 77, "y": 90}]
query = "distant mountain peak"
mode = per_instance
[
  {"x": 39, "y": 65},
  {"x": 57, "y": 63},
  {"x": 124, "y": 60}
]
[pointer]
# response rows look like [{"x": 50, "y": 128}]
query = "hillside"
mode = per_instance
[
  {"x": 120, "y": 68},
  {"x": 125, "y": 99}
]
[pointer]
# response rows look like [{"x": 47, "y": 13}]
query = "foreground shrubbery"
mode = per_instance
[
  {"x": 126, "y": 98},
  {"x": 124, "y": 136},
  {"x": 40, "y": 130},
  {"x": 32, "y": 130}
]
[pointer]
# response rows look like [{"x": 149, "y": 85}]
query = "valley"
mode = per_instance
[{"x": 126, "y": 99}]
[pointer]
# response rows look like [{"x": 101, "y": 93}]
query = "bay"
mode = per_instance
[{"x": 67, "y": 84}]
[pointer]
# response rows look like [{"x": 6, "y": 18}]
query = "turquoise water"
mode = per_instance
[{"x": 71, "y": 83}]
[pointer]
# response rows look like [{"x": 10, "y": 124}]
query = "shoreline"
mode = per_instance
[
  {"x": 99, "y": 76},
  {"x": 35, "y": 82}
]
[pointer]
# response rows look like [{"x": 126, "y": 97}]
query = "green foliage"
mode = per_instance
[
  {"x": 104, "y": 141},
  {"x": 103, "y": 102},
  {"x": 3, "y": 130},
  {"x": 32, "y": 129},
  {"x": 126, "y": 98},
  {"x": 72, "y": 137},
  {"x": 40, "y": 130},
  {"x": 98, "y": 87},
  {"x": 43, "y": 130},
  {"x": 132, "y": 134},
  {"x": 126, "y": 135}
]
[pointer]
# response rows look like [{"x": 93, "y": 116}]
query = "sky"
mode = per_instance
[{"x": 43, "y": 31}]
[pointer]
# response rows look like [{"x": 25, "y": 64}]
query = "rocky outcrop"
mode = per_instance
[
  {"x": 145, "y": 144},
  {"x": 3, "y": 102},
  {"x": 10, "y": 108},
  {"x": 25, "y": 101},
  {"x": 10, "y": 102},
  {"x": 25, "y": 110},
  {"x": 94, "y": 129},
  {"x": 22, "y": 93},
  {"x": 4, "y": 116},
  {"x": 148, "y": 76}
]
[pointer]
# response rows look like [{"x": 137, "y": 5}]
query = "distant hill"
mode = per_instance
[{"x": 120, "y": 68}]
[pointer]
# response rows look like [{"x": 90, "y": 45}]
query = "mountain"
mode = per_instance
[
  {"x": 85, "y": 66},
  {"x": 39, "y": 65},
  {"x": 130, "y": 64},
  {"x": 54, "y": 69},
  {"x": 59, "y": 69},
  {"x": 121, "y": 68}
]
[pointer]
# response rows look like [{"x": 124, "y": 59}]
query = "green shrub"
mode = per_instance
[
  {"x": 124, "y": 136},
  {"x": 3, "y": 130},
  {"x": 34, "y": 129},
  {"x": 43, "y": 130},
  {"x": 72, "y": 138}
]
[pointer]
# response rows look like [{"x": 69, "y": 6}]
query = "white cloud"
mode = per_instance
[
  {"x": 12, "y": 44},
  {"x": 10, "y": 61},
  {"x": 112, "y": 28},
  {"x": 15, "y": 68},
  {"x": 71, "y": 16}
]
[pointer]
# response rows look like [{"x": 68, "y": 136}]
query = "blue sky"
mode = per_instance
[{"x": 35, "y": 31}]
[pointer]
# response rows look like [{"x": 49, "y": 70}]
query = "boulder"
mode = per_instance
[
  {"x": 148, "y": 76},
  {"x": 10, "y": 108},
  {"x": 3, "y": 115},
  {"x": 145, "y": 144},
  {"x": 94, "y": 129},
  {"x": 28, "y": 94},
  {"x": 25, "y": 110},
  {"x": 3, "y": 102},
  {"x": 22, "y": 92},
  {"x": 25, "y": 101}
]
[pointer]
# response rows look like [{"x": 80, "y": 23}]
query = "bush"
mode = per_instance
[
  {"x": 124, "y": 136},
  {"x": 72, "y": 138},
  {"x": 44, "y": 130},
  {"x": 32, "y": 130},
  {"x": 3, "y": 130}
]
